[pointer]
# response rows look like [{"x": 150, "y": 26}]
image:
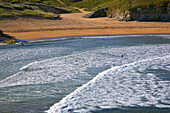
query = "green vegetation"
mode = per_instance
[
  {"x": 48, "y": 2},
  {"x": 11, "y": 8},
  {"x": 118, "y": 4},
  {"x": 90, "y": 5},
  {"x": 93, "y": 4},
  {"x": 10, "y": 41},
  {"x": 22, "y": 1},
  {"x": 70, "y": 2},
  {"x": 71, "y": 9},
  {"x": 14, "y": 10}
]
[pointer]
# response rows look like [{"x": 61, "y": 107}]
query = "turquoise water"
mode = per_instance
[{"x": 87, "y": 74}]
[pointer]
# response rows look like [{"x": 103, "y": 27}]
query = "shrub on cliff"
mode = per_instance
[{"x": 10, "y": 41}]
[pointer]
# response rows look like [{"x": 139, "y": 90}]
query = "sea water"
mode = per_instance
[{"x": 88, "y": 74}]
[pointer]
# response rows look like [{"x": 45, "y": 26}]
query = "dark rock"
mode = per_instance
[
  {"x": 5, "y": 7},
  {"x": 1, "y": 32},
  {"x": 28, "y": 7},
  {"x": 4, "y": 37},
  {"x": 165, "y": 18},
  {"x": 147, "y": 13},
  {"x": 78, "y": 0},
  {"x": 148, "y": 17},
  {"x": 97, "y": 13},
  {"x": 19, "y": 8}
]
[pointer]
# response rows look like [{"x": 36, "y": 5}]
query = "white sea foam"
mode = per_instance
[
  {"x": 75, "y": 66},
  {"x": 125, "y": 36},
  {"x": 48, "y": 39},
  {"x": 18, "y": 54},
  {"x": 121, "y": 86}
]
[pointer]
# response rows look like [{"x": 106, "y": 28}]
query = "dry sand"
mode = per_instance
[{"x": 75, "y": 25}]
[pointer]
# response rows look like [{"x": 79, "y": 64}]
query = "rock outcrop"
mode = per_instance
[
  {"x": 146, "y": 13},
  {"x": 97, "y": 13},
  {"x": 4, "y": 37}
]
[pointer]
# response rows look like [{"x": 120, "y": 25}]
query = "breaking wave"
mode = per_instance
[
  {"x": 74, "y": 67},
  {"x": 129, "y": 85}
]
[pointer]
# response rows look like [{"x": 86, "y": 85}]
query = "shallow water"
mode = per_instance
[{"x": 87, "y": 74}]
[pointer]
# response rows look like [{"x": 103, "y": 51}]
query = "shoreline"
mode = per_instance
[
  {"x": 86, "y": 36},
  {"x": 73, "y": 33},
  {"x": 90, "y": 36}
]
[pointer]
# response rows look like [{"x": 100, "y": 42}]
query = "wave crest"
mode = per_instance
[{"x": 127, "y": 85}]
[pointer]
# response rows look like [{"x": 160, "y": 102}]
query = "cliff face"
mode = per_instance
[{"x": 146, "y": 13}]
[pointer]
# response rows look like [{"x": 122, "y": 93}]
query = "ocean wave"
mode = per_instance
[
  {"x": 75, "y": 66},
  {"x": 129, "y": 85}
]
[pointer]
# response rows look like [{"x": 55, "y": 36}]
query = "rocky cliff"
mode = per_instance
[{"x": 143, "y": 13}]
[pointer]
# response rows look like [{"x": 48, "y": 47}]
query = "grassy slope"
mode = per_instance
[
  {"x": 114, "y": 4},
  {"x": 14, "y": 10},
  {"x": 93, "y": 4},
  {"x": 87, "y": 4},
  {"x": 48, "y": 2}
]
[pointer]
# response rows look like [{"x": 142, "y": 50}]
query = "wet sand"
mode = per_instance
[{"x": 84, "y": 32}]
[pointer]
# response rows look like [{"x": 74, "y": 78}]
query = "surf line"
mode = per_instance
[
  {"x": 92, "y": 36},
  {"x": 63, "y": 105}
]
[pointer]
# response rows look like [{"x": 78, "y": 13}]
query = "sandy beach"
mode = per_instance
[{"x": 75, "y": 25}]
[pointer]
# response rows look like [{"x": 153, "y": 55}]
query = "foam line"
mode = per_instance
[
  {"x": 94, "y": 36},
  {"x": 124, "y": 36},
  {"x": 75, "y": 66},
  {"x": 117, "y": 87}
]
